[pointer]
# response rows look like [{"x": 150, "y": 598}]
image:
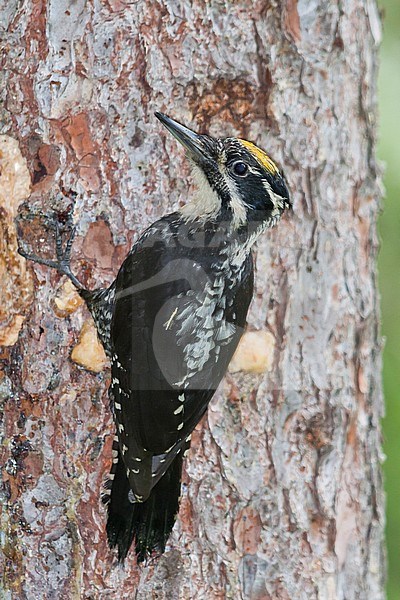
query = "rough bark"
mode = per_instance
[{"x": 283, "y": 492}]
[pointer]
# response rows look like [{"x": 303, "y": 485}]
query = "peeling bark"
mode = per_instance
[{"x": 283, "y": 492}]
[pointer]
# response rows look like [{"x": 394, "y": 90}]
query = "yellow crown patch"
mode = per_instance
[{"x": 260, "y": 155}]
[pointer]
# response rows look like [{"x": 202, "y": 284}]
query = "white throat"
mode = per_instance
[{"x": 205, "y": 204}]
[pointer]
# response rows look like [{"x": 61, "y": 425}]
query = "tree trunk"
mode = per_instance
[{"x": 283, "y": 496}]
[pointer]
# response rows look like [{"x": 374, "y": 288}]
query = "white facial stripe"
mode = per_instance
[
  {"x": 206, "y": 203},
  {"x": 240, "y": 251},
  {"x": 237, "y": 205},
  {"x": 254, "y": 171},
  {"x": 278, "y": 201}
]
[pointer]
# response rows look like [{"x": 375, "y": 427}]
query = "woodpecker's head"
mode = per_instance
[{"x": 237, "y": 182}]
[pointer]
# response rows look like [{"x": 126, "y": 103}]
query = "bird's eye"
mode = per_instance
[{"x": 240, "y": 168}]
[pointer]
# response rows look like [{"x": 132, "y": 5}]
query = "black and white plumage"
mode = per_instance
[{"x": 171, "y": 322}]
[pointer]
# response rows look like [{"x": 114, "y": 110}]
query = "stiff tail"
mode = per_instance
[{"x": 149, "y": 523}]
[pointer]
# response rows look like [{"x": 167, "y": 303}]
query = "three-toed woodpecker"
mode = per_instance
[{"x": 171, "y": 322}]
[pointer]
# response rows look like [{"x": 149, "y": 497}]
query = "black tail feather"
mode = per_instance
[{"x": 149, "y": 523}]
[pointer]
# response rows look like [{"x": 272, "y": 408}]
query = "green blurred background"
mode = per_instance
[{"x": 389, "y": 275}]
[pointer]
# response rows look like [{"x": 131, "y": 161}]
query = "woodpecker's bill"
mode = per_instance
[{"x": 171, "y": 322}]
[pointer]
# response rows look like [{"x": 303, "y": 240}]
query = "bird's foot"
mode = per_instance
[{"x": 63, "y": 254}]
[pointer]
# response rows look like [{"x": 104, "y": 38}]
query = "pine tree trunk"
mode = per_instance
[{"x": 283, "y": 496}]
